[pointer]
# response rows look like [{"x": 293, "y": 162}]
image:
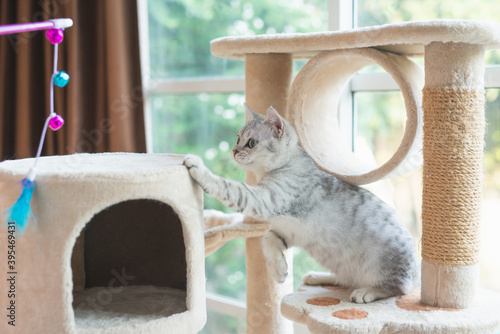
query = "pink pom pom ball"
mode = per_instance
[
  {"x": 55, "y": 36},
  {"x": 56, "y": 123}
]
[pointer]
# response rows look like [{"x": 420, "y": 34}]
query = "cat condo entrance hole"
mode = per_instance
[
  {"x": 313, "y": 110},
  {"x": 117, "y": 246},
  {"x": 129, "y": 265}
]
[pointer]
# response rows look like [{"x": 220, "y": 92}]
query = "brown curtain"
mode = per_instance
[{"x": 102, "y": 103}]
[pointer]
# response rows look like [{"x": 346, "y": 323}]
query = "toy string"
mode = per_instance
[{"x": 52, "y": 114}]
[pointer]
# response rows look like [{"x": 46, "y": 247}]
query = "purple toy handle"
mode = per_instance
[{"x": 23, "y": 27}]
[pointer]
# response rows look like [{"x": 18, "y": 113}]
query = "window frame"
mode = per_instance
[{"x": 341, "y": 16}]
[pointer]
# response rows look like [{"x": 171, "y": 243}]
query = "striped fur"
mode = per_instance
[{"x": 347, "y": 229}]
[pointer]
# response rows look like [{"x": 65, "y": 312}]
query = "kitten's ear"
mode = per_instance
[
  {"x": 275, "y": 120},
  {"x": 251, "y": 115}
]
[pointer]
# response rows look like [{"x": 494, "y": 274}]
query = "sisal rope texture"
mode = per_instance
[{"x": 452, "y": 174}]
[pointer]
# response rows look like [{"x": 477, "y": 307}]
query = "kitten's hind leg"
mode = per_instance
[
  {"x": 273, "y": 246},
  {"x": 318, "y": 278},
  {"x": 368, "y": 295}
]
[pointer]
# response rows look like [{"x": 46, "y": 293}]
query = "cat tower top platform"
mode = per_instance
[{"x": 407, "y": 38}]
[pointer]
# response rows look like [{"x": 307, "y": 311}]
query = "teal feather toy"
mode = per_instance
[{"x": 20, "y": 212}]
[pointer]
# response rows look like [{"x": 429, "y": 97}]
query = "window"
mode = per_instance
[{"x": 195, "y": 104}]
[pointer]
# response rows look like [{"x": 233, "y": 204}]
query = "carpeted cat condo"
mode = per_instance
[{"x": 116, "y": 247}]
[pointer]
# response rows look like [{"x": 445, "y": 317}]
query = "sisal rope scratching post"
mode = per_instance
[
  {"x": 267, "y": 80},
  {"x": 453, "y": 104}
]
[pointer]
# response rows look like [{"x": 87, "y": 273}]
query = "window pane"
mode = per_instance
[
  {"x": 380, "y": 120},
  {"x": 180, "y": 31},
  {"x": 490, "y": 229},
  {"x": 371, "y": 13},
  {"x": 391, "y": 11},
  {"x": 201, "y": 124},
  {"x": 226, "y": 270}
]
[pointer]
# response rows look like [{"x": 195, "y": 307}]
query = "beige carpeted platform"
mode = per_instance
[
  {"x": 328, "y": 310},
  {"x": 407, "y": 38}
]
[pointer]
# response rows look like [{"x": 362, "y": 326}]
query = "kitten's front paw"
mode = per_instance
[
  {"x": 192, "y": 161},
  {"x": 195, "y": 166}
]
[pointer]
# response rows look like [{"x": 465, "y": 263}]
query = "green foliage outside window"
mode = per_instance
[{"x": 181, "y": 30}]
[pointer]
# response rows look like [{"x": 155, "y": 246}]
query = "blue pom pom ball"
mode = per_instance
[{"x": 61, "y": 79}]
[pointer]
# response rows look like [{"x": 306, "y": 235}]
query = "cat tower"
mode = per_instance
[{"x": 444, "y": 105}]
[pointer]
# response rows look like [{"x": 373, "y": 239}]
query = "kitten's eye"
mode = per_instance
[
  {"x": 252, "y": 143},
  {"x": 238, "y": 141}
]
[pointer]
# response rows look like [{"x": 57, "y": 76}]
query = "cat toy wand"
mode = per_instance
[{"x": 20, "y": 212}]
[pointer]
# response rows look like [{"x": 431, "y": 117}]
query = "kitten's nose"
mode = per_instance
[{"x": 235, "y": 151}]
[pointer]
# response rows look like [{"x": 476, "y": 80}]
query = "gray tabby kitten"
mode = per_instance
[{"x": 347, "y": 229}]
